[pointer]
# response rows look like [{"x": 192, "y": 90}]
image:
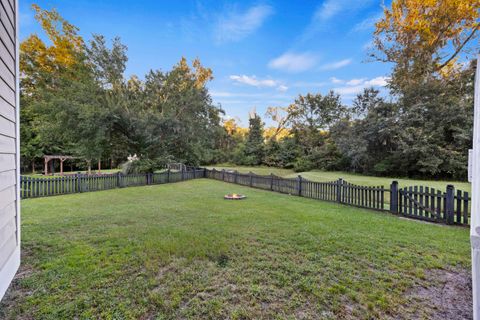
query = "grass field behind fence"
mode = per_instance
[
  {"x": 181, "y": 251},
  {"x": 359, "y": 179}
]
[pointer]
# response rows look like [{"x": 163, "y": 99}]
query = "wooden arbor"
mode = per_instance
[{"x": 62, "y": 158}]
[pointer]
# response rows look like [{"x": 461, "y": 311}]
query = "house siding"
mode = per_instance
[{"x": 9, "y": 145}]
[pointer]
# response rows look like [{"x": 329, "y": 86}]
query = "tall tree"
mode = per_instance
[
  {"x": 311, "y": 117},
  {"x": 109, "y": 63},
  {"x": 254, "y": 146},
  {"x": 424, "y": 39},
  {"x": 43, "y": 67}
]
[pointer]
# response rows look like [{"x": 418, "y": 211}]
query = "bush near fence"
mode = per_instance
[{"x": 418, "y": 202}]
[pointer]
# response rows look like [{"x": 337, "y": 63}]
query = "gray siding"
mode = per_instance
[{"x": 9, "y": 226}]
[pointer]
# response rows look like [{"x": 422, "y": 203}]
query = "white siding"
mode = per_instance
[{"x": 9, "y": 146}]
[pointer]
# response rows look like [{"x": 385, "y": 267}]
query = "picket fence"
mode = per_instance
[
  {"x": 417, "y": 202},
  {"x": 31, "y": 187}
]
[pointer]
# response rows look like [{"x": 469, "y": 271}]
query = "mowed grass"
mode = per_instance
[
  {"x": 181, "y": 251},
  {"x": 359, "y": 179}
]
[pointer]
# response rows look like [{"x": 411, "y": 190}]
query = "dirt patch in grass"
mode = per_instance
[{"x": 446, "y": 295}]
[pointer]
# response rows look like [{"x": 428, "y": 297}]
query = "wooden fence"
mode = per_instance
[
  {"x": 417, "y": 202},
  {"x": 31, "y": 187}
]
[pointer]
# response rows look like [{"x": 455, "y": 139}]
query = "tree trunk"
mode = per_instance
[
  {"x": 33, "y": 166},
  {"x": 99, "y": 166}
]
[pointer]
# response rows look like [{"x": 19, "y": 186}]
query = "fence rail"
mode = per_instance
[
  {"x": 43, "y": 187},
  {"x": 418, "y": 202}
]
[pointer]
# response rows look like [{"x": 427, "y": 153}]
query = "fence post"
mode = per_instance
[
  {"x": 83, "y": 187},
  {"x": 449, "y": 204},
  {"x": 204, "y": 172},
  {"x": 394, "y": 197},
  {"x": 339, "y": 190},
  {"x": 235, "y": 174},
  {"x": 168, "y": 175},
  {"x": 299, "y": 185},
  {"x": 183, "y": 173},
  {"x": 194, "y": 170},
  {"x": 79, "y": 182},
  {"x": 223, "y": 174},
  {"x": 271, "y": 181},
  {"x": 251, "y": 178}
]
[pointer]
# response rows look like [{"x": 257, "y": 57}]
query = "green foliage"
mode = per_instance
[
  {"x": 81, "y": 104},
  {"x": 254, "y": 146},
  {"x": 303, "y": 164},
  {"x": 75, "y": 100},
  {"x": 145, "y": 165}
]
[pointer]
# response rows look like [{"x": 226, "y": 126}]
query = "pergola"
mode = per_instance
[{"x": 62, "y": 158}]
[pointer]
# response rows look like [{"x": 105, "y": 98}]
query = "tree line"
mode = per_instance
[
  {"x": 76, "y": 100},
  {"x": 422, "y": 128}
]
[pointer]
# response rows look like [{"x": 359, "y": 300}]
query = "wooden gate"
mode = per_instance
[{"x": 429, "y": 204}]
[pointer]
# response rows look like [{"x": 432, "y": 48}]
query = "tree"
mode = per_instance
[
  {"x": 254, "y": 146},
  {"x": 281, "y": 116},
  {"x": 373, "y": 134},
  {"x": 109, "y": 64},
  {"x": 43, "y": 67},
  {"x": 310, "y": 119},
  {"x": 76, "y": 100},
  {"x": 425, "y": 38}
]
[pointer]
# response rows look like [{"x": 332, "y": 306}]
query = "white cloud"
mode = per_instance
[
  {"x": 331, "y": 8},
  {"x": 368, "y": 23},
  {"x": 349, "y": 91},
  {"x": 253, "y": 81},
  {"x": 356, "y": 82},
  {"x": 336, "y": 65},
  {"x": 378, "y": 81},
  {"x": 293, "y": 62},
  {"x": 328, "y": 9},
  {"x": 307, "y": 84},
  {"x": 259, "y": 83},
  {"x": 355, "y": 86},
  {"x": 336, "y": 80},
  {"x": 234, "y": 26}
]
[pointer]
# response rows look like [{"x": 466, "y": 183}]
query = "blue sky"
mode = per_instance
[{"x": 262, "y": 53}]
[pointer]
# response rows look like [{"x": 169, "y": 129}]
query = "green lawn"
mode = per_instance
[
  {"x": 181, "y": 251},
  {"x": 258, "y": 170},
  {"x": 350, "y": 177}
]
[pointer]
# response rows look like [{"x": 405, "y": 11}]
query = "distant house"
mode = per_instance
[{"x": 9, "y": 145}]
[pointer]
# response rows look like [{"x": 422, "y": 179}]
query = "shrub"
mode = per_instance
[
  {"x": 145, "y": 165},
  {"x": 302, "y": 164}
]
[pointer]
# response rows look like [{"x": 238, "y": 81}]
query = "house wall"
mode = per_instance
[{"x": 9, "y": 145}]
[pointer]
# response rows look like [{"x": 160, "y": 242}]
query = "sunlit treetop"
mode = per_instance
[{"x": 427, "y": 36}]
